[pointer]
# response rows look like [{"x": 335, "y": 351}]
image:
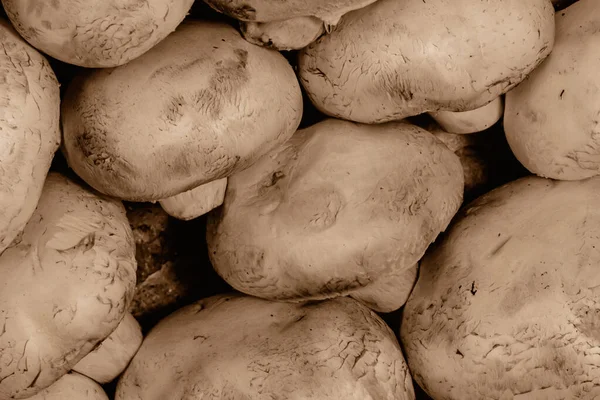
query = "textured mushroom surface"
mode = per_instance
[
  {"x": 552, "y": 119},
  {"x": 506, "y": 304},
  {"x": 393, "y": 59},
  {"x": 67, "y": 282},
  {"x": 243, "y": 348},
  {"x": 29, "y": 129},
  {"x": 200, "y": 105},
  {"x": 72, "y": 386},
  {"x": 340, "y": 209},
  {"x": 92, "y": 33}
]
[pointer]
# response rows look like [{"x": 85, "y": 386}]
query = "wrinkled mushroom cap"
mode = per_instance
[
  {"x": 506, "y": 304},
  {"x": 29, "y": 129},
  {"x": 67, "y": 282},
  {"x": 380, "y": 63},
  {"x": 243, "y": 348},
  {"x": 92, "y": 33},
  {"x": 552, "y": 119},
  {"x": 199, "y": 106},
  {"x": 339, "y": 207}
]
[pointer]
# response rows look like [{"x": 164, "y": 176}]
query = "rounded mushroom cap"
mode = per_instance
[
  {"x": 72, "y": 386},
  {"x": 29, "y": 129},
  {"x": 506, "y": 304},
  {"x": 199, "y": 106},
  {"x": 551, "y": 120},
  {"x": 67, "y": 282},
  {"x": 379, "y": 63},
  {"x": 339, "y": 207},
  {"x": 92, "y": 33},
  {"x": 328, "y": 11},
  {"x": 240, "y": 347}
]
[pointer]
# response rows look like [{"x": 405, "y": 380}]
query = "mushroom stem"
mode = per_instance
[
  {"x": 111, "y": 357},
  {"x": 196, "y": 202},
  {"x": 288, "y": 34},
  {"x": 472, "y": 121}
]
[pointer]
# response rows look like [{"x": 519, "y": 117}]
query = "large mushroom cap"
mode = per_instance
[
  {"x": 328, "y": 11},
  {"x": 199, "y": 106},
  {"x": 397, "y": 58},
  {"x": 242, "y": 348},
  {"x": 552, "y": 119},
  {"x": 67, "y": 282},
  {"x": 506, "y": 304},
  {"x": 92, "y": 33},
  {"x": 29, "y": 129},
  {"x": 342, "y": 208}
]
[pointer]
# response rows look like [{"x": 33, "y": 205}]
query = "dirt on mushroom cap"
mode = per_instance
[
  {"x": 199, "y": 106},
  {"x": 29, "y": 129},
  {"x": 511, "y": 292},
  {"x": 240, "y": 347},
  {"x": 379, "y": 64},
  {"x": 98, "y": 34},
  {"x": 67, "y": 283},
  {"x": 338, "y": 207}
]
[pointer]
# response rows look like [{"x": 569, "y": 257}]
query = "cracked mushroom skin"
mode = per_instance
[
  {"x": 67, "y": 282},
  {"x": 187, "y": 112},
  {"x": 340, "y": 209},
  {"x": 505, "y": 306},
  {"x": 92, "y": 33},
  {"x": 72, "y": 386},
  {"x": 379, "y": 64},
  {"x": 239, "y": 347},
  {"x": 29, "y": 130},
  {"x": 329, "y": 11},
  {"x": 552, "y": 119}
]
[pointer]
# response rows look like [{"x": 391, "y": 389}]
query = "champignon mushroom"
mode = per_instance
[
  {"x": 552, "y": 119},
  {"x": 394, "y": 59},
  {"x": 506, "y": 304},
  {"x": 240, "y": 347},
  {"x": 473, "y": 121},
  {"x": 67, "y": 282},
  {"x": 29, "y": 130},
  {"x": 288, "y": 34},
  {"x": 340, "y": 209},
  {"x": 92, "y": 33},
  {"x": 201, "y": 105}
]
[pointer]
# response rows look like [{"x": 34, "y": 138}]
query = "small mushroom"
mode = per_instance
[
  {"x": 240, "y": 347},
  {"x": 340, "y": 209},
  {"x": 288, "y": 34},
  {"x": 472, "y": 121}
]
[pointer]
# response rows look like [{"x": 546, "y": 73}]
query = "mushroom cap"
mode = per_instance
[
  {"x": 67, "y": 282},
  {"x": 339, "y": 207},
  {"x": 197, "y": 107},
  {"x": 552, "y": 119},
  {"x": 93, "y": 33},
  {"x": 328, "y": 11},
  {"x": 380, "y": 64},
  {"x": 240, "y": 347},
  {"x": 29, "y": 129},
  {"x": 506, "y": 302},
  {"x": 72, "y": 386}
]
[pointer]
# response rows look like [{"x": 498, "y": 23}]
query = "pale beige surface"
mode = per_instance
[
  {"x": 472, "y": 121},
  {"x": 288, "y": 34},
  {"x": 506, "y": 305},
  {"x": 67, "y": 282},
  {"x": 197, "y": 201},
  {"x": 72, "y": 386},
  {"x": 96, "y": 33},
  {"x": 238, "y": 347},
  {"x": 29, "y": 129}
]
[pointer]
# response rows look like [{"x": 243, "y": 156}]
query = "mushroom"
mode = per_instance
[
  {"x": 240, "y": 347},
  {"x": 110, "y": 358},
  {"x": 288, "y": 34},
  {"x": 29, "y": 130},
  {"x": 394, "y": 59},
  {"x": 72, "y": 386},
  {"x": 506, "y": 304},
  {"x": 552, "y": 119},
  {"x": 340, "y": 209},
  {"x": 67, "y": 282},
  {"x": 98, "y": 34},
  {"x": 201, "y": 105},
  {"x": 473, "y": 121}
]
